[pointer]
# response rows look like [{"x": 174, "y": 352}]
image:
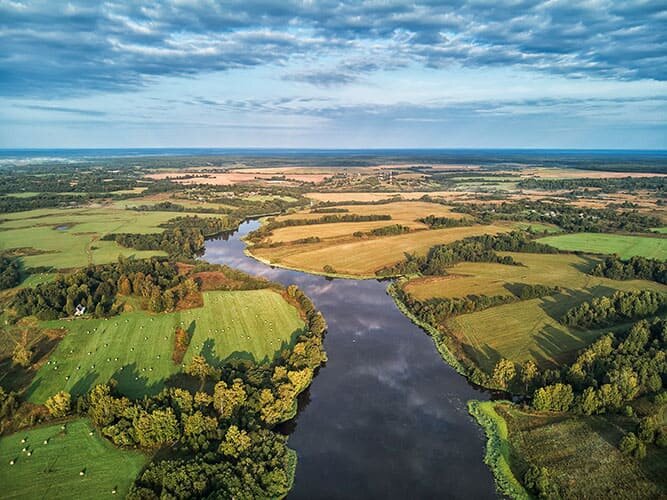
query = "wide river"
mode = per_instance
[{"x": 386, "y": 417}]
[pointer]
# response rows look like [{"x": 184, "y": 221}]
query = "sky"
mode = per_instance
[{"x": 334, "y": 74}]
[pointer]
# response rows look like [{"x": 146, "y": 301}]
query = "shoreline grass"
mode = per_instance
[{"x": 497, "y": 454}]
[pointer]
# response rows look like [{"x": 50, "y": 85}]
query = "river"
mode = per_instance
[{"x": 386, "y": 417}]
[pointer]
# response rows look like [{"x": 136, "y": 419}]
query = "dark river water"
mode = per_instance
[{"x": 386, "y": 417}]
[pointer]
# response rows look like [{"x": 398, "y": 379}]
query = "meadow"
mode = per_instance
[
  {"x": 624, "y": 246},
  {"x": 528, "y": 329},
  {"x": 69, "y": 238},
  {"x": 135, "y": 348},
  {"x": 53, "y": 469},
  {"x": 364, "y": 257},
  {"x": 581, "y": 454}
]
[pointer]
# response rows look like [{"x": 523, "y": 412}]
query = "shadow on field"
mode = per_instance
[{"x": 132, "y": 383}]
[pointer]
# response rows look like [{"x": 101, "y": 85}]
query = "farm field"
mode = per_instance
[
  {"x": 69, "y": 238},
  {"x": 136, "y": 348},
  {"x": 581, "y": 454},
  {"x": 52, "y": 470},
  {"x": 341, "y": 197},
  {"x": 623, "y": 245},
  {"x": 522, "y": 330},
  {"x": 363, "y": 258}
]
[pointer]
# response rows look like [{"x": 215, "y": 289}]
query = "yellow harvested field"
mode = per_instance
[
  {"x": 336, "y": 230},
  {"x": 365, "y": 196},
  {"x": 455, "y": 285},
  {"x": 401, "y": 212},
  {"x": 366, "y": 257}
]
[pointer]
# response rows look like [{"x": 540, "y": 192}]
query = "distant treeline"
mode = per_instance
[
  {"x": 621, "y": 306},
  {"x": 570, "y": 218},
  {"x": 10, "y": 204},
  {"x": 606, "y": 185},
  {"x": 94, "y": 181},
  {"x": 634, "y": 268},
  {"x": 442, "y": 222}
]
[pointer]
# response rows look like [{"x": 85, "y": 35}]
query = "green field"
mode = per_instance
[
  {"x": 528, "y": 329},
  {"x": 53, "y": 469},
  {"x": 581, "y": 454},
  {"x": 624, "y": 246},
  {"x": 136, "y": 348},
  {"x": 70, "y": 238}
]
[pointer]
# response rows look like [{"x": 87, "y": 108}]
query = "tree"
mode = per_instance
[
  {"x": 503, "y": 373},
  {"x": 557, "y": 397},
  {"x": 538, "y": 480},
  {"x": 237, "y": 442},
  {"x": 529, "y": 373},
  {"x": 124, "y": 285},
  {"x": 198, "y": 367},
  {"x": 21, "y": 355},
  {"x": 59, "y": 404},
  {"x": 227, "y": 399},
  {"x": 157, "y": 428}
]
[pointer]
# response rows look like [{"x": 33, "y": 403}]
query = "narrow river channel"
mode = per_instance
[{"x": 386, "y": 417}]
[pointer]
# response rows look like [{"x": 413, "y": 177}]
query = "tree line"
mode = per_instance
[
  {"x": 634, "y": 268},
  {"x": 621, "y": 306},
  {"x": 10, "y": 271},
  {"x": 606, "y": 185},
  {"x": 98, "y": 287},
  {"x": 472, "y": 249},
  {"x": 570, "y": 218},
  {"x": 184, "y": 237}
]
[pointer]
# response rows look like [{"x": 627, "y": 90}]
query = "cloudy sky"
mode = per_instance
[{"x": 282, "y": 73}]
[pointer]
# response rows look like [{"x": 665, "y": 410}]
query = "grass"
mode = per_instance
[
  {"x": 136, "y": 348},
  {"x": 364, "y": 257},
  {"x": 522, "y": 330},
  {"x": 497, "y": 455},
  {"x": 65, "y": 239},
  {"x": 33, "y": 280},
  {"x": 581, "y": 454},
  {"x": 52, "y": 470},
  {"x": 624, "y": 246}
]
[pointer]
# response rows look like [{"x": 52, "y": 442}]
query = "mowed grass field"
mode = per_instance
[
  {"x": 136, "y": 348},
  {"x": 71, "y": 238},
  {"x": 363, "y": 258},
  {"x": 623, "y": 245},
  {"x": 52, "y": 470},
  {"x": 581, "y": 454},
  {"x": 528, "y": 329}
]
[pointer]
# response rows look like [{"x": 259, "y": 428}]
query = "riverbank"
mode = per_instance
[{"x": 497, "y": 455}]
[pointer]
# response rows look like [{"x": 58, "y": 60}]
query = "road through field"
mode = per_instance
[{"x": 386, "y": 417}]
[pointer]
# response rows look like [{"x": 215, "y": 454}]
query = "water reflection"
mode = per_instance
[{"x": 386, "y": 417}]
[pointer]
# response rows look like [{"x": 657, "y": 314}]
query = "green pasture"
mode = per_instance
[
  {"x": 53, "y": 469},
  {"x": 72, "y": 238},
  {"x": 136, "y": 348},
  {"x": 623, "y": 245},
  {"x": 528, "y": 329}
]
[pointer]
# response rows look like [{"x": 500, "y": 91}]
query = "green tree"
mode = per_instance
[
  {"x": 236, "y": 443},
  {"x": 157, "y": 428},
  {"x": 557, "y": 397},
  {"x": 59, "y": 404},
  {"x": 227, "y": 399},
  {"x": 21, "y": 355},
  {"x": 503, "y": 373}
]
